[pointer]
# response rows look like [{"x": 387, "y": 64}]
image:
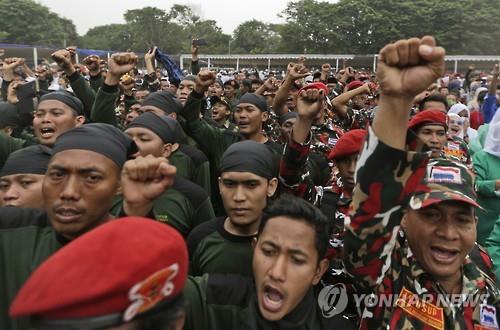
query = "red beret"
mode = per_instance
[
  {"x": 316, "y": 85},
  {"x": 348, "y": 144},
  {"x": 428, "y": 117},
  {"x": 116, "y": 268},
  {"x": 354, "y": 84}
]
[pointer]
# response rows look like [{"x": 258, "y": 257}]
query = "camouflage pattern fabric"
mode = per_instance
[
  {"x": 457, "y": 149},
  {"x": 378, "y": 257}
]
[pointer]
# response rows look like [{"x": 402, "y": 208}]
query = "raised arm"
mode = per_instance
[
  {"x": 385, "y": 171},
  {"x": 294, "y": 72}
]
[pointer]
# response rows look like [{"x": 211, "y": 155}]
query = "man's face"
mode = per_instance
[
  {"x": 22, "y": 190},
  {"x": 164, "y": 85},
  {"x": 291, "y": 101},
  {"x": 285, "y": 266},
  {"x": 435, "y": 105},
  {"x": 185, "y": 88},
  {"x": 220, "y": 112},
  {"x": 347, "y": 167},
  {"x": 141, "y": 95},
  {"x": 229, "y": 91},
  {"x": 134, "y": 112},
  {"x": 244, "y": 195},
  {"x": 241, "y": 76},
  {"x": 255, "y": 86},
  {"x": 444, "y": 91},
  {"x": 52, "y": 118},
  {"x": 286, "y": 129},
  {"x": 78, "y": 190},
  {"x": 434, "y": 137},
  {"x": 215, "y": 90},
  {"x": 147, "y": 141},
  {"x": 440, "y": 236},
  {"x": 359, "y": 101},
  {"x": 249, "y": 118}
]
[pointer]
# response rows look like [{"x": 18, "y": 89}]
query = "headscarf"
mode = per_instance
[
  {"x": 492, "y": 143},
  {"x": 456, "y": 109}
]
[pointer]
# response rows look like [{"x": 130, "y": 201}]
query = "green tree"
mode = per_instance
[
  {"x": 255, "y": 37},
  {"x": 27, "y": 22},
  {"x": 115, "y": 37},
  {"x": 365, "y": 26}
]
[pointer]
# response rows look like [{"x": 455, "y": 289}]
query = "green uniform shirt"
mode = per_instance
[
  {"x": 193, "y": 165},
  {"x": 212, "y": 249},
  {"x": 26, "y": 240},
  {"x": 213, "y": 141},
  {"x": 222, "y": 302},
  {"x": 183, "y": 206}
]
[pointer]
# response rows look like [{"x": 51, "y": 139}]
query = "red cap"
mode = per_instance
[
  {"x": 429, "y": 117},
  {"x": 354, "y": 84},
  {"x": 115, "y": 268},
  {"x": 316, "y": 85},
  {"x": 348, "y": 144}
]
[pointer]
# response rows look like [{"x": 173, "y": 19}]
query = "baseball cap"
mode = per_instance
[
  {"x": 223, "y": 100},
  {"x": 444, "y": 180}
]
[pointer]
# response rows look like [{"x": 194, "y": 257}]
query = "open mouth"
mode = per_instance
[
  {"x": 272, "y": 299},
  {"x": 444, "y": 255},
  {"x": 243, "y": 125},
  {"x": 47, "y": 132}
]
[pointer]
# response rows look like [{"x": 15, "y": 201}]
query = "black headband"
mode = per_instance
[
  {"x": 163, "y": 126},
  {"x": 66, "y": 98},
  {"x": 30, "y": 160},
  {"x": 104, "y": 139},
  {"x": 249, "y": 156},
  {"x": 163, "y": 100},
  {"x": 258, "y": 100}
]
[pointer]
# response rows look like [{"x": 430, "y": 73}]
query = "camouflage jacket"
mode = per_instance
[
  {"x": 325, "y": 136},
  {"x": 354, "y": 119},
  {"x": 381, "y": 263},
  {"x": 457, "y": 149}
]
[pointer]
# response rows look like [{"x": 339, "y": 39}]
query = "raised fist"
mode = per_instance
[{"x": 408, "y": 67}]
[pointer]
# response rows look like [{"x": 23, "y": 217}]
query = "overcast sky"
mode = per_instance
[{"x": 228, "y": 13}]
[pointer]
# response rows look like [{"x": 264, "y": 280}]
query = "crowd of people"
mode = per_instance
[{"x": 135, "y": 199}]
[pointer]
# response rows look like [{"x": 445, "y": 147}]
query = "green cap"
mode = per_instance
[{"x": 444, "y": 180}]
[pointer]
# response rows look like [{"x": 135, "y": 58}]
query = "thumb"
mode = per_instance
[{"x": 430, "y": 53}]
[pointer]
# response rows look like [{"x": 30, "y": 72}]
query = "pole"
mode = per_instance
[
  {"x": 456, "y": 66},
  {"x": 35, "y": 56},
  {"x": 337, "y": 65},
  {"x": 208, "y": 63},
  {"x": 238, "y": 64},
  {"x": 268, "y": 65},
  {"x": 375, "y": 63}
]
